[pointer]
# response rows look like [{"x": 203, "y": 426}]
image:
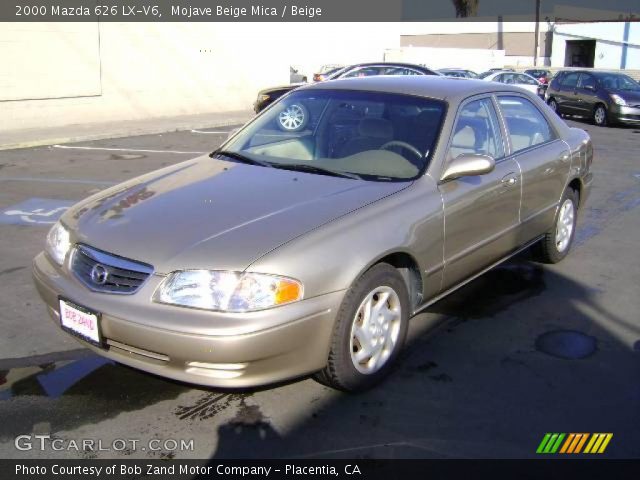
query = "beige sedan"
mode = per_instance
[{"x": 284, "y": 254}]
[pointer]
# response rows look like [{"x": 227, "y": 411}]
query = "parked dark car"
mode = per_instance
[
  {"x": 542, "y": 75},
  {"x": 605, "y": 97},
  {"x": 267, "y": 96},
  {"x": 458, "y": 73},
  {"x": 325, "y": 72}
]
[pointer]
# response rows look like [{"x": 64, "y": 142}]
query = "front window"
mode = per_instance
[
  {"x": 367, "y": 135},
  {"x": 477, "y": 131},
  {"x": 614, "y": 81}
]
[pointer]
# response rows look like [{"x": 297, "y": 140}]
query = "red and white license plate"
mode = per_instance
[{"x": 80, "y": 321}]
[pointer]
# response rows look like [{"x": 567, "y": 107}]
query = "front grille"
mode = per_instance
[{"x": 104, "y": 272}]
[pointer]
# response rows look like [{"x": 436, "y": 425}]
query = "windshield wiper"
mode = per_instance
[
  {"x": 240, "y": 157},
  {"x": 303, "y": 167}
]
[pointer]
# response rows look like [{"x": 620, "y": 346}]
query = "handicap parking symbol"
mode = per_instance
[{"x": 35, "y": 211}]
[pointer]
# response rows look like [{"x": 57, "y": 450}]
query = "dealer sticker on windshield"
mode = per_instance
[{"x": 80, "y": 322}]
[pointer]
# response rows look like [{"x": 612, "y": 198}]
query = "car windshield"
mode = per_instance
[
  {"x": 615, "y": 81},
  {"x": 485, "y": 74},
  {"x": 368, "y": 135}
]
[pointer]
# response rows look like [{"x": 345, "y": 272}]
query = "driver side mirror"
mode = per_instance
[
  {"x": 590, "y": 87},
  {"x": 468, "y": 164}
]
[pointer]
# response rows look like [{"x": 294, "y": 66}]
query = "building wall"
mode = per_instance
[
  {"x": 71, "y": 73},
  {"x": 516, "y": 39},
  {"x": 617, "y": 44},
  {"x": 435, "y": 57}
]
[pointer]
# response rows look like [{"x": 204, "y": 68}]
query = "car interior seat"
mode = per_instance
[{"x": 372, "y": 134}]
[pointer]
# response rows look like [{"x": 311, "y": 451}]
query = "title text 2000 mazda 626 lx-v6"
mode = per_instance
[{"x": 285, "y": 253}]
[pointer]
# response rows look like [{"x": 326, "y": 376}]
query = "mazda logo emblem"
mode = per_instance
[{"x": 99, "y": 274}]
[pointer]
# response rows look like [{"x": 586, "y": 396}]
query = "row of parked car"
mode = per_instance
[{"x": 605, "y": 97}]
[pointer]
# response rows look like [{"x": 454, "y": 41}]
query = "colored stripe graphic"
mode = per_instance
[
  {"x": 573, "y": 443},
  {"x": 598, "y": 443},
  {"x": 550, "y": 443},
  {"x": 543, "y": 443}
]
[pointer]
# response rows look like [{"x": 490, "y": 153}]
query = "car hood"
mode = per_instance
[{"x": 214, "y": 214}]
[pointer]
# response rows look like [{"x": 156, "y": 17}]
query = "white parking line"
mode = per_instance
[
  {"x": 126, "y": 150},
  {"x": 218, "y": 132}
]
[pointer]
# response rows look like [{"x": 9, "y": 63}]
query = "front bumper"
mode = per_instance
[
  {"x": 625, "y": 114},
  {"x": 195, "y": 346}
]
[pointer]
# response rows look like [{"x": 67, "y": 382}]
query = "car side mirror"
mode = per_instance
[
  {"x": 590, "y": 87},
  {"x": 468, "y": 164}
]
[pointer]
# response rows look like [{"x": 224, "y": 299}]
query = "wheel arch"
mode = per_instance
[
  {"x": 576, "y": 185},
  {"x": 409, "y": 269}
]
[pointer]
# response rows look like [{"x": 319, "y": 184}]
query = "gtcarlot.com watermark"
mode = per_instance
[{"x": 49, "y": 443}]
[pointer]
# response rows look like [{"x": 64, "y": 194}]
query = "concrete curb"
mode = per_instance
[{"x": 122, "y": 131}]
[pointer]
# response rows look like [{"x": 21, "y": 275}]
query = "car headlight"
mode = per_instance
[
  {"x": 227, "y": 291},
  {"x": 618, "y": 99},
  {"x": 58, "y": 243},
  {"x": 263, "y": 98}
]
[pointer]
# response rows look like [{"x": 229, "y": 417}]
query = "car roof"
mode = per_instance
[{"x": 430, "y": 86}]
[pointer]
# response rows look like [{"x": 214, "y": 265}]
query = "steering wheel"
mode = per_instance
[{"x": 401, "y": 144}]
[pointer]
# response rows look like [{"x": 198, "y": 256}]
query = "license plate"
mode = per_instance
[{"x": 81, "y": 322}]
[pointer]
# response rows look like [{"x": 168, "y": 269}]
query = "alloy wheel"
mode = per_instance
[
  {"x": 375, "y": 330},
  {"x": 564, "y": 225}
]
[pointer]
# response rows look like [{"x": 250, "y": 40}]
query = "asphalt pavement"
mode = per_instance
[{"x": 524, "y": 350}]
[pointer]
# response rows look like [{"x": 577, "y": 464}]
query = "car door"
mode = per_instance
[
  {"x": 543, "y": 159},
  {"x": 481, "y": 212},
  {"x": 586, "y": 97},
  {"x": 567, "y": 93}
]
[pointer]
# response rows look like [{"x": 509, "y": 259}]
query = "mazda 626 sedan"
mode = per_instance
[{"x": 283, "y": 254}]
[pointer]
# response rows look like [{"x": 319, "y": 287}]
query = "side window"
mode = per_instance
[
  {"x": 570, "y": 80},
  {"x": 526, "y": 125},
  {"x": 477, "y": 130},
  {"x": 523, "y": 79},
  {"x": 587, "y": 81},
  {"x": 400, "y": 71}
]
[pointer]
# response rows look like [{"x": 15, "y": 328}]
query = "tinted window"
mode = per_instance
[
  {"x": 587, "y": 81},
  {"x": 378, "y": 136},
  {"x": 362, "y": 72},
  {"x": 614, "y": 81},
  {"x": 569, "y": 80},
  {"x": 477, "y": 131},
  {"x": 526, "y": 125},
  {"x": 400, "y": 71}
]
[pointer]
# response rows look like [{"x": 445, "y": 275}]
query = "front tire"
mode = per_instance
[
  {"x": 600, "y": 117},
  {"x": 554, "y": 105},
  {"x": 370, "y": 329},
  {"x": 558, "y": 239}
]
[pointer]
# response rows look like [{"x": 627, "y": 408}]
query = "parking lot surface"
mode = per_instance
[{"x": 523, "y": 350}]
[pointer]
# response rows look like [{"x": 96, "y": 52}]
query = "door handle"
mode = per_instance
[{"x": 509, "y": 180}]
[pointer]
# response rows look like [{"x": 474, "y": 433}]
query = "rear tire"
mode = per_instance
[
  {"x": 557, "y": 241},
  {"x": 370, "y": 330}
]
